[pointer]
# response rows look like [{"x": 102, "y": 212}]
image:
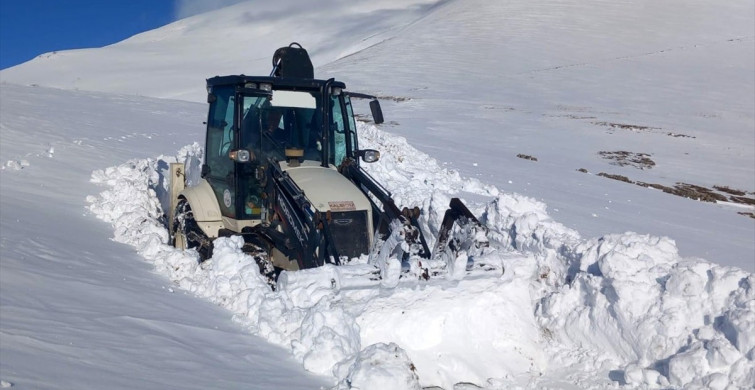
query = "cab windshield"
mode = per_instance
[
  {"x": 266, "y": 125},
  {"x": 291, "y": 120}
]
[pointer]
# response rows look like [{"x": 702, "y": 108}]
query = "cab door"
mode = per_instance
[
  {"x": 230, "y": 181},
  {"x": 249, "y": 186},
  {"x": 219, "y": 169}
]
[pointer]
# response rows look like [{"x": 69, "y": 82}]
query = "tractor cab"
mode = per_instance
[{"x": 295, "y": 122}]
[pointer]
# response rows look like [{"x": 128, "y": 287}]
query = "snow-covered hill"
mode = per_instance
[
  {"x": 467, "y": 86},
  {"x": 585, "y": 85},
  {"x": 173, "y": 61}
]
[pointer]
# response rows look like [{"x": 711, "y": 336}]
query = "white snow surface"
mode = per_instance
[{"x": 606, "y": 284}]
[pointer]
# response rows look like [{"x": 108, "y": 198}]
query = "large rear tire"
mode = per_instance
[{"x": 187, "y": 234}]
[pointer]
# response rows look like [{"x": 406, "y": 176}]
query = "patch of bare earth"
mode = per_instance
[
  {"x": 397, "y": 99},
  {"x": 692, "y": 191},
  {"x": 616, "y": 177},
  {"x": 641, "y": 129},
  {"x": 623, "y": 158},
  {"x": 624, "y": 126},
  {"x": 526, "y": 157},
  {"x": 504, "y": 108},
  {"x": 730, "y": 190}
]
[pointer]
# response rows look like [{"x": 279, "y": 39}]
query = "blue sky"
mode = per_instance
[{"x": 29, "y": 28}]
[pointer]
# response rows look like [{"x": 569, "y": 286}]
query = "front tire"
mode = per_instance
[{"x": 187, "y": 234}]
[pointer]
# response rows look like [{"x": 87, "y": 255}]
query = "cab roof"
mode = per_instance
[{"x": 286, "y": 82}]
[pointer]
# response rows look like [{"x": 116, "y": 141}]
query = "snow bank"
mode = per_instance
[
  {"x": 416, "y": 179},
  {"x": 320, "y": 334},
  {"x": 465, "y": 332},
  {"x": 381, "y": 366},
  {"x": 676, "y": 322},
  {"x": 620, "y": 309}
]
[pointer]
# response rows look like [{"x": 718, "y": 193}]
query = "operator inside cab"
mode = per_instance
[{"x": 269, "y": 130}]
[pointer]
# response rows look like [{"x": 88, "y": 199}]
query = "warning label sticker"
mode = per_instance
[{"x": 343, "y": 205}]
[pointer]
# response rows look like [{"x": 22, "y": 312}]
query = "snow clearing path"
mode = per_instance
[{"x": 620, "y": 309}]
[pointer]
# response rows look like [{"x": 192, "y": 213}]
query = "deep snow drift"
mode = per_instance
[{"x": 624, "y": 308}]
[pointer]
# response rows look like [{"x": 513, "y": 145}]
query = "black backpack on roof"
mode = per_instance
[{"x": 292, "y": 61}]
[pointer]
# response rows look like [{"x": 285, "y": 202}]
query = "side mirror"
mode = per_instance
[
  {"x": 240, "y": 155},
  {"x": 205, "y": 170},
  {"x": 368, "y": 155},
  {"x": 211, "y": 98},
  {"x": 377, "y": 112}
]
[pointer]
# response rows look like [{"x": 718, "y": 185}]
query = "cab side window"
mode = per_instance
[
  {"x": 220, "y": 140},
  {"x": 352, "y": 145},
  {"x": 249, "y": 186},
  {"x": 338, "y": 132}
]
